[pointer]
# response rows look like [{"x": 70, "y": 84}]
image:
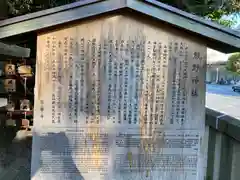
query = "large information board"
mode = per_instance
[{"x": 118, "y": 99}]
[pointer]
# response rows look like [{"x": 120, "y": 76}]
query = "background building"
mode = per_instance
[{"x": 216, "y": 62}]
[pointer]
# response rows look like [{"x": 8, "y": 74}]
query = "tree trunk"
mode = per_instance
[
  {"x": 180, "y": 4},
  {"x": 3, "y": 9}
]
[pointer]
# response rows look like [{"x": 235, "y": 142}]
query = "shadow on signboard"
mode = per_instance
[
  {"x": 15, "y": 155},
  {"x": 58, "y": 157}
]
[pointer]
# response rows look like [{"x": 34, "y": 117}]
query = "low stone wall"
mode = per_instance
[{"x": 223, "y": 146}]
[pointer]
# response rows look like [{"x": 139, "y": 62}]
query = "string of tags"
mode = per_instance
[{"x": 17, "y": 74}]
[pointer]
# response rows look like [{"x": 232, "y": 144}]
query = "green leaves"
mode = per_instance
[
  {"x": 19, "y": 7},
  {"x": 233, "y": 64},
  {"x": 217, "y": 16},
  {"x": 212, "y": 9}
]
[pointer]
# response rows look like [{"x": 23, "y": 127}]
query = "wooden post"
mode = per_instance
[{"x": 3, "y": 9}]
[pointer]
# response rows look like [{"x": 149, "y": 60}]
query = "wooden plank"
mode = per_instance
[
  {"x": 14, "y": 50},
  {"x": 118, "y": 98}
]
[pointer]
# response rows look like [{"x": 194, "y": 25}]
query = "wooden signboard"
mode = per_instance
[{"x": 118, "y": 99}]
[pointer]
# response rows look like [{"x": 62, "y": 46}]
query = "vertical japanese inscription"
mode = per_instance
[
  {"x": 47, "y": 56},
  {"x": 70, "y": 81},
  {"x": 179, "y": 83},
  {"x": 129, "y": 78},
  {"x": 145, "y": 94},
  {"x": 120, "y": 80},
  {"x": 174, "y": 86},
  {"x": 115, "y": 80},
  {"x": 126, "y": 83},
  {"x": 65, "y": 67},
  {"x": 137, "y": 83},
  {"x": 82, "y": 74},
  {"x": 179, "y": 116},
  {"x": 94, "y": 81},
  {"x": 117, "y": 109},
  {"x": 54, "y": 78},
  {"x": 98, "y": 82},
  {"x": 110, "y": 81},
  {"x": 195, "y": 70},
  {"x": 183, "y": 101},
  {"x": 59, "y": 80},
  {"x": 163, "y": 79}
]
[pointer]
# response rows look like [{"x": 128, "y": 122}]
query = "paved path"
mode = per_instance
[{"x": 222, "y": 98}]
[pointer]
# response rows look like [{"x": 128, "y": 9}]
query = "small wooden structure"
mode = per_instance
[
  {"x": 13, "y": 51},
  {"x": 13, "y": 150},
  {"x": 120, "y": 90}
]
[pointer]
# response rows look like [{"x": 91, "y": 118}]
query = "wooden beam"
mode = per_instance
[{"x": 14, "y": 50}]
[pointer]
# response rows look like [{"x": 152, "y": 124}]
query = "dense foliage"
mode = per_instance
[
  {"x": 233, "y": 63},
  {"x": 20, "y": 7},
  {"x": 212, "y": 9}
]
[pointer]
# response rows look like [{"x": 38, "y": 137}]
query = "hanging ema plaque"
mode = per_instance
[{"x": 112, "y": 104}]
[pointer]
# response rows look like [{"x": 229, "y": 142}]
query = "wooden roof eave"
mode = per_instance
[
  {"x": 215, "y": 36},
  {"x": 14, "y": 50}
]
